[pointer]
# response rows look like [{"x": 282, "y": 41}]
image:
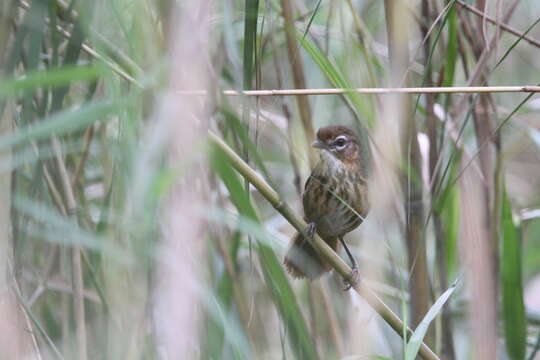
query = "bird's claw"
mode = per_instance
[
  {"x": 354, "y": 277},
  {"x": 310, "y": 230}
]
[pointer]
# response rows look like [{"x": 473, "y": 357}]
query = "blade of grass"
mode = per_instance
[
  {"x": 451, "y": 48},
  {"x": 50, "y": 223},
  {"x": 63, "y": 122},
  {"x": 250, "y": 36},
  {"x": 312, "y": 18},
  {"x": 231, "y": 331},
  {"x": 50, "y": 78},
  {"x": 36, "y": 34},
  {"x": 449, "y": 211},
  {"x": 513, "y": 307},
  {"x": 241, "y": 132},
  {"x": 335, "y": 78},
  {"x": 417, "y": 337}
]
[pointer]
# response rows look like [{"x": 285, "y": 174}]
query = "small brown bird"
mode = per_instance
[{"x": 335, "y": 201}]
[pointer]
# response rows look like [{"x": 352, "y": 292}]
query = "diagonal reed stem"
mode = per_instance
[{"x": 320, "y": 246}]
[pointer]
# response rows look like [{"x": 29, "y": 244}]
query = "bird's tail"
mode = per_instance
[{"x": 303, "y": 261}]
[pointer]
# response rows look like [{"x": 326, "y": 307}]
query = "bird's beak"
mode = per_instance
[{"x": 318, "y": 144}]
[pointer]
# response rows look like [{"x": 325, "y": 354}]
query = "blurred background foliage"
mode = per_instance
[{"x": 86, "y": 89}]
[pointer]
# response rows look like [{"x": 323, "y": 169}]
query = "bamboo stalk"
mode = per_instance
[
  {"x": 375, "y": 91},
  {"x": 321, "y": 247}
]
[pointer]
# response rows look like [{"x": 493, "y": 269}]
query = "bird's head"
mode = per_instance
[{"x": 338, "y": 143}]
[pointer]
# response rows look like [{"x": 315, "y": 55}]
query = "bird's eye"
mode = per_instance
[{"x": 340, "y": 143}]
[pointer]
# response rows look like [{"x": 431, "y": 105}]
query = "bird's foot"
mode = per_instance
[{"x": 354, "y": 277}]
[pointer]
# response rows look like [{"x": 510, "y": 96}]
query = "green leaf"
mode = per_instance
[
  {"x": 446, "y": 205},
  {"x": 50, "y": 78},
  {"x": 216, "y": 333},
  {"x": 513, "y": 307},
  {"x": 450, "y": 216},
  {"x": 25, "y": 27},
  {"x": 411, "y": 350},
  {"x": 36, "y": 33},
  {"x": 335, "y": 78},
  {"x": 451, "y": 49},
  {"x": 250, "y": 38},
  {"x": 330, "y": 70},
  {"x": 241, "y": 132},
  {"x": 223, "y": 328},
  {"x": 531, "y": 247},
  {"x": 61, "y": 123},
  {"x": 55, "y": 228},
  {"x": 312, "y": 18}
]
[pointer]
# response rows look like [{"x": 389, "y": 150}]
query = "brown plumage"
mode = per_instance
[{"x": 335, "y": 200}]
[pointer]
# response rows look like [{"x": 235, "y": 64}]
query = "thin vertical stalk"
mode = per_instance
[
  {"x": 287, "y": 114},
  {"x": 299, "y": 80},
  {"x": 419, "y": 286},
  {"x": 447, "y": 349},
  {"x": 88, "y": 136},
  {"x": 475, "y": 251},
  {"x": 76, "y": 264}
]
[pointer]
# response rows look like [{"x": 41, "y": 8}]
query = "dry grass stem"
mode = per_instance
[
  {"x": 77, "y": 271},
  {"x": 375, "y": 91},
  {"x": 299, "y": 80},
  {"x": 475, "y": 249}
]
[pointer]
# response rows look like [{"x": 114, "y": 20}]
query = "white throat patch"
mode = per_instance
[{"x": 334, "y": 164}]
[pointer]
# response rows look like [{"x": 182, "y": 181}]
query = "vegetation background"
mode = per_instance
[{"x": 127, "y": 233}]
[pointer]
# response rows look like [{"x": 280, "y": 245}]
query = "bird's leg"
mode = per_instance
[{"x": 354, "y": 267}]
